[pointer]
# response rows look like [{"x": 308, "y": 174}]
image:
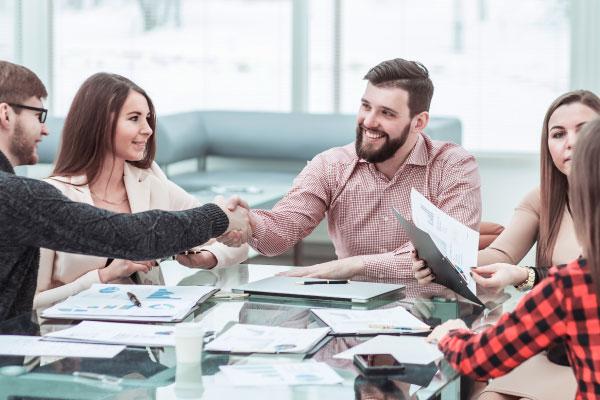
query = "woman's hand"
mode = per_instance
[
  {"x": 422, "y": 272},
  {"x": 205, "y": 260},
  {"x": 124, "y": 268},
  {"x": 495, "y": 277},
  {"x": 442, "y": 330}
]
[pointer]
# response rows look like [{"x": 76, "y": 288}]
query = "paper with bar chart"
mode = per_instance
[{"x": 113, "y": 303}]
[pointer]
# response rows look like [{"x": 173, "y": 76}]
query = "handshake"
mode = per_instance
[{"x": 241, "y": 221}]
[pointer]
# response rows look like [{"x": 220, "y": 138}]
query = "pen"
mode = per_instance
[
  {"x": 325, "y": 282},
  {"x": 134, "y": 299},
  {"x": 188, "y": 252},
  {"x": 401, "y": 328},
  {"x": 97, "y": 377},
  {"x": 231, "y": 296}
]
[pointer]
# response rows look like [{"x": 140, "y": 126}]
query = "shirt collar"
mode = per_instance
[{"x": 5, "y": 165}]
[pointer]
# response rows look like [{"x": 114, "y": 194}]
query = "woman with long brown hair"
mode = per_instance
[
  {"x": 106, "y": 159},
  {"x": 543, "y": 216},
  {"x": 564, "y": 306}
]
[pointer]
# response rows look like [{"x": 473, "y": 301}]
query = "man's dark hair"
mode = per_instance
[
  {"x": 411, "y": 76},
  {"x": 18, "y": 84}
]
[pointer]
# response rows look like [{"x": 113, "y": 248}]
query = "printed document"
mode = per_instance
[
  {"x": 243, "y": 338},
  {"x": 405, "y": 349},
  {"x": 117, "y": 333},
  {"x": 112, "y": 302},
  {"x": 305, "y": 373},
  {"x": 13, "y": 345},
  {"x": 454, "y": 240},
  {"x": 391, "y": 320}
]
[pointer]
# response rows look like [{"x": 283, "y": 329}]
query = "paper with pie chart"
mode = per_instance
[
  {"x": 111, "y": 302},
  {"x": 305, "y": 373}
]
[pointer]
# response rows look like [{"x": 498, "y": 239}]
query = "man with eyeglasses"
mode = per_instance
[{"x": 34, "y": 214}]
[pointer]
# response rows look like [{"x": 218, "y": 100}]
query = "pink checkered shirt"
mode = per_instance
[{"x": 358, "y": 200}]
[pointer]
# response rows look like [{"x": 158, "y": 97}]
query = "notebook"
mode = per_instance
[{"x": 286, "y": 286}]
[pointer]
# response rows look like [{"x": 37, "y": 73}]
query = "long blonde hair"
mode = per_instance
[
  {"x": 553, "y": 183},
  {"x": 585, "y": 193}
]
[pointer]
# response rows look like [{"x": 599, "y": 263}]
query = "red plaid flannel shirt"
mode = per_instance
[
  {"x": 358, "y": 201},
  {"x": 562, "y": 306}
]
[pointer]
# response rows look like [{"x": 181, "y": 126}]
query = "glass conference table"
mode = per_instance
[{"x": 144, "y": 373}]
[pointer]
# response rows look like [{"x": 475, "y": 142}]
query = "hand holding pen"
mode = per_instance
[{"x": 197, "y": 259}]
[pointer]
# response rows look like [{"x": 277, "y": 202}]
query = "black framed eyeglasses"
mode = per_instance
[{"x": 43, "y": 112}]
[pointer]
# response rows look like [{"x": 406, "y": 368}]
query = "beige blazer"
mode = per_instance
[
  {"x": 521, "y": 234},
  {"x": 64, "y": 274}
]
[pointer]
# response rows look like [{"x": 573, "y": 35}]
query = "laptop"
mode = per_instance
[{"x": 286, "y": 286}]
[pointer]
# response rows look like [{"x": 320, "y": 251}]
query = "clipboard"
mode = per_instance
[{"x": 446, "y": 274}]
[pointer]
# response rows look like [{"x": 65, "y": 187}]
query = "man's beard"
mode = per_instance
[
  {"x": 386, "y": 151},
  {"x": 23, "y": 148}
]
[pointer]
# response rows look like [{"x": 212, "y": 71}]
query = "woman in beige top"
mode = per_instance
[
  {"x": 106, "y": 159},
  {"x": 543, "y": 216}
]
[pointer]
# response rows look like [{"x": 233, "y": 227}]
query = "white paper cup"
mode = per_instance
[
  {"x": 188, "y": 381},
  {"x": 188, "y": 343}
]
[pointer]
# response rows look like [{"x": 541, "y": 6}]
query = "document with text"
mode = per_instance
[
  {"x": 454, "y": 240},
  {"x": 405, "y": 349},
  {"x": 305, "y": 373},
  {"x": 117, "y": 333},
  {"x": 390, "y": 320},
  {"x": 243, "y": 338},
  {"x": 115, "y": 303},
  {"x": 13, "y": 345}
]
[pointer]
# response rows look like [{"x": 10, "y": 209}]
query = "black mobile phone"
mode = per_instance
[{"x": 377, "y": 364}]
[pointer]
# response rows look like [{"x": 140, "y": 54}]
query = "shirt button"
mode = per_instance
[
  {"x": 381, "y": 276},
  {"x": 384, "y": 250},
  {"x": 385, "y": 218}
]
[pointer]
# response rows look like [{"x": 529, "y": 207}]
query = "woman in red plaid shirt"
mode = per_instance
[{"x": 563, "y": 306}]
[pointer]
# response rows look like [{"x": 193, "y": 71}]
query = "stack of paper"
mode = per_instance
[
  {"x": 391, "y": 320},
  {"x": 242, "y": 338},
  {"x": 117, "y": 333},
  {"x": 113, "y": 303},
  {"x": 306, "y": 373},
  {"x": 13, "y": 345},
  {"x": 405, "y": 349}
]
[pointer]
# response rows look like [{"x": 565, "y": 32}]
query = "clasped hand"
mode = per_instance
[{"x": 241, "y": 221}]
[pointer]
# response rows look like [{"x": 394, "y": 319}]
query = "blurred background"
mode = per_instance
[{"x": 496, "y": 65}]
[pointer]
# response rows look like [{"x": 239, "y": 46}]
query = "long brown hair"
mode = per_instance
[
  {"x": 90, "y": 125},
  {"x": 584, "y": 194},
  {"x": 553, "y": 183}
]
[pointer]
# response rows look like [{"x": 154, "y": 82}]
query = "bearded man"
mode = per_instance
[{"x": 356, "y": 185}]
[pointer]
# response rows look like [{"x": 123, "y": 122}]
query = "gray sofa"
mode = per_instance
[{"x": 246, "y": 141}]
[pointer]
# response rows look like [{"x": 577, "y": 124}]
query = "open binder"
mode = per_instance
[{"x": 446, "y": 273}]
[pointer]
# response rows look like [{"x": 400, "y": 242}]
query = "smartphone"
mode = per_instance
[{"x": 377, "y": 364}]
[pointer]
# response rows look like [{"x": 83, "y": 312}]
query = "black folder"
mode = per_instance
[{"x": 445, "y": 272}]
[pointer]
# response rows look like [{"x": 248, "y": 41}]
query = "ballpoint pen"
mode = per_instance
[
  {"x": 325, "y": 282},
  {"x": 189, "y": 252},
  {"x": 134, "y": 299},
  {"x": 98, "y": 377},
  {"x": 401, "y": 328}
]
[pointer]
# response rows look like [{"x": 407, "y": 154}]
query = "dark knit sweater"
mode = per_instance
[{"x": 34, "y": 214}]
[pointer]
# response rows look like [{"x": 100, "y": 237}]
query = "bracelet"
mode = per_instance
[{"x": 527, "y": 284}]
